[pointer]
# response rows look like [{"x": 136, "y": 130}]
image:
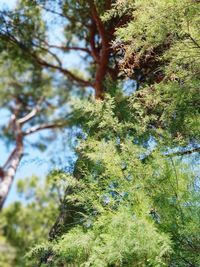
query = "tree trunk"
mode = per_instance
[{"x": 10, "y": 171}]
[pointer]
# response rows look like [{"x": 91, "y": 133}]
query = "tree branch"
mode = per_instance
[
  {"x": 44, "y": 126},
  {"x": 66, "y": 72},
  {"x": 68, "y": 48},
  {"x": 186, "y": 152},
  {"x": 99, "y": 24},
  {"x": 44, "y": 63},
  {"x": 31, "y": 114},
  {"x": 53, "y": 55}
]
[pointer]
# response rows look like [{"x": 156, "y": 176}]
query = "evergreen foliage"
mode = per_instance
[
  {"x": 132, "y": 198},
  {"x": 135, "y": 206}
]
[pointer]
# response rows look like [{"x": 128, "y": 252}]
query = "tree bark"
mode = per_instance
[
  {"x": 104, "y": 55},
  {"x": 10, "y": 170}
]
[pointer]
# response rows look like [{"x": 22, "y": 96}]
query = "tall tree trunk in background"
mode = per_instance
[{"x": 9, "y": 170}]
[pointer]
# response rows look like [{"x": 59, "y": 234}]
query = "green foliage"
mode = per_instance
[
  {"x": 7, "y": 253},
  {"x": 131, "y": 200},
  {"x": 104, "y": 245},
  {"x": 134, "y": 206},
  {"x": 27, "y": 223},
  {"x": 162, "y": 22},
  {"x": 161, "y": 43}
]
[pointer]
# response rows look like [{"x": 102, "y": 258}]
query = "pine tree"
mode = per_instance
[{"x": 133, "y": 196}]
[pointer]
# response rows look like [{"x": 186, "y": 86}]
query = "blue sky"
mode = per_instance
[{"x": 8, "y": 3}]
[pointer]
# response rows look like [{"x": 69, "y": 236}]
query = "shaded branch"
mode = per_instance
[
  {"x": 44, "y": 63},
  {"x": 194, "y": 41},
  {"x": 53, "y": 11},
  {"x": 53, "y": 55},
  {"x": 66, "y": 72},
  {"x": 68, "y": 48}
]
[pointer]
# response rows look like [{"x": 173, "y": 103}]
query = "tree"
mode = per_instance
[
  {"x": 28, "y": 94},
  {"x": 25, "y": 44},
  {"x": 24, "y": 32},
  {"x": 81, "y": 23},
  {"x": 115, "y": 176},
  {"x": 133, "y": 197},
  {"x": 28, "y": 97}
]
